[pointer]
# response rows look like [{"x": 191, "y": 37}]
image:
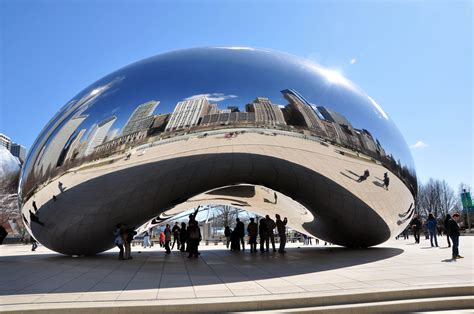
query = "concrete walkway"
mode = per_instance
[{"x": 44, "y": 279}]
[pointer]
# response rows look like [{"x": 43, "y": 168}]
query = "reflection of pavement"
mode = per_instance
[
  {"x": 45, "y": 279},
  {"x": 311, "y": 154}
]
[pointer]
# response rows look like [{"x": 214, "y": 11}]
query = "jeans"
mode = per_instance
[
  {"x": 433, "y": 236},
  {"x": 449, "y": 243},
  {"x": 263, "y": 240},
  {"x": 271, "y": 237},
  {"x": 167, "y": 246},
  {"x": 416, "y": 234},
  {"x": 128, "y": 250},
  {"x": 120, "y": 246},
  {"x": 282, "y": 243},
  {"x": 455, "y": 240},
  {"x": 253, "y": 243}
]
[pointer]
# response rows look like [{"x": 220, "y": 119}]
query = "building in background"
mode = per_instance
[
  {"x": 141, "y": 118},
  {"x": 18, "y": 151},
  {"x": 5, "y": 141},
  {"x": 187, "y": 113}
]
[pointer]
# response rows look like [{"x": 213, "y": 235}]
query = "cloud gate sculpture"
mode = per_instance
[{"x": 256, "y": 129}]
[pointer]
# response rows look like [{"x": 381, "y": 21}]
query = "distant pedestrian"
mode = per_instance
[
  {"x": 281, "y": 228},
  {"x": 252, "y": 230},
  {"x": 61, "y": 187},
  {"x": 35, "y": 218},
  {"x": 146, "y": 240},
  {"x": 34, "y": 244},
  {"x": 270, "y": 223},
  {"x": 234, "y": 241},
  {"x": 34, "y": 206},
  {"x": 128, "y": 235},
  {"x": 183, "y": 237},
  {"x": 386, "y": 180},
  {"x": 118, "y": 240},
  {"x": 176, "y": 230},
  {"x": 162, "y": 239},
  {"x": 167, "y": 239},
  {"x": 432, "y": 226},
  {"x": 446, "y": 226},
  {"x": 194, "y": 237},
  {"x": 227, "y": 232},
  {"x": 262, "y": 232},
  {"x": 240, "y": 229},
  {"x": 453, "y": 231},
  {"x": 364, "y": 176},
  {"x": 405, "y": 233},
  {"x": 416, "y": 227}
]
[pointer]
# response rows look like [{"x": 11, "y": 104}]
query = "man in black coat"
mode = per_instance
[
  {"x": 240, "y": 230},
  {"x": 453, "y": 231},
  {"x": 416, "y": 226},
  {"x": 262, "y": 232}
]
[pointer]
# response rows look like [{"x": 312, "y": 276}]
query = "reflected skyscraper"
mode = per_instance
[
  {"x": 98, "y": 134},
  {"x": 187, "y": 113},
  {"x": 266, "y": 112},
  {"x": 140, "y": 119}
]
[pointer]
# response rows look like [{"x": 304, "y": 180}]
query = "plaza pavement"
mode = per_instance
[{"x": 44, "y": 280}]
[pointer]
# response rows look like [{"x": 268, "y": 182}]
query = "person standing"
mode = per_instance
[
  {"x": 162, "y": 239},
  {"x": 240, "y": 230},
  {"x": 183, "y": 237},
  {"x": 252, "y": 230},
  {"x": 416, "y": 226},
  {"x": 176, "y": 229},
  {"x": 453, "y": 231},
  {"x": 34, "y": 244},
  {"x": 386, "y": 180},
  {"x": 167, "y": 239},
  {"x": 270, "y": 223},
  {"x": 128, "y": 242},
  {"x": 118, "y": 240},
  {"x": 194, "y": 236},
  {"x": 448, "y": 217},
  {"x": 146, "y": 240},
  {"x": 262, "y": 231},
  {"x": 227, "y": 233},
  {"x": 281, "y": 228},
  {"x": 432, "y": 229}
]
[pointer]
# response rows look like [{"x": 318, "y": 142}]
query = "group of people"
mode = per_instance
[
  {"x": 186, "y": 238},
  {"x": 263, "y": 228},
  {"x": 123, "y": 240},
  {"x": 451, "y": 229}
]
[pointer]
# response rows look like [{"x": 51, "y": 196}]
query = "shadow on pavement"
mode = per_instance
[{"x": 54, "y": 273}]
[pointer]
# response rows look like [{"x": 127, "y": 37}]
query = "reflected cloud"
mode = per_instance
[
  {"x": 353, "y": 61},
  {"x": 212, "y": 97}
]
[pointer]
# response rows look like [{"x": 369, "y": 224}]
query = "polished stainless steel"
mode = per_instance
[{"x": 257, "y": 129}]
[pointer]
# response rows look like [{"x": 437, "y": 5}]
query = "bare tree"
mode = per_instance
[
  {"x": 436, "y": 197},
  {"x": 225, "y": 215}
]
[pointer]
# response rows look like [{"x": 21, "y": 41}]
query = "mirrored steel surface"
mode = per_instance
[{"x": 199, "y": 126}]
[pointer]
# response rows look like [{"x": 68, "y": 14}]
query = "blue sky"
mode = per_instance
[{"x": 415, "y": 58}]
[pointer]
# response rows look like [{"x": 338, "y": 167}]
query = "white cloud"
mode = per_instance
[
  {"x": 213, "y": 97},
  {"x": 353, "y": 61},
  {"x": 419, "y": 145}
]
